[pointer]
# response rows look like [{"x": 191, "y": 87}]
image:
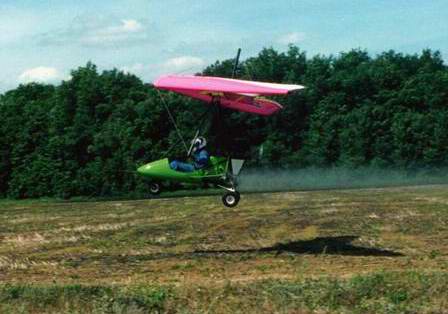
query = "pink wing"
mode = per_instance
[{"x": 234, "y": 94}]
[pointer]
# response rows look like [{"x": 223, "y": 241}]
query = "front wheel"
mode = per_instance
[
  {"x": 231, "y": 199},
  {"x": 154, "y": 188}
]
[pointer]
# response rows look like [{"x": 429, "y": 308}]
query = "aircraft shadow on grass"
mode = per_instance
[{"x": 340, "y": 245}]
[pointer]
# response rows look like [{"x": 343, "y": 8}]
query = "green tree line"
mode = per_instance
[{"x": 87, "y": 135}]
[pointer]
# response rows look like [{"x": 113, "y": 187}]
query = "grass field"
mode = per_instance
[{"x": 361, "y": 250}]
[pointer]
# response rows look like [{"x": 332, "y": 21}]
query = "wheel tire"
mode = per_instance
[
  {"x": 155, "y": 188},
  {"x": 231, "y": 199}
]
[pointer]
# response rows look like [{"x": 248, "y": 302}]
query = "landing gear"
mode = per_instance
[
  {"x": 154, "y": 188},
  {"x": 231, "y": 199}
]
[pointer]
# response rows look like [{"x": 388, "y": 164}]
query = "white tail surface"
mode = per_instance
[{"x": 237, "y": 164}]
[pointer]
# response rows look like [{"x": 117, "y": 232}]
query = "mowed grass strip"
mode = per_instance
[{"x": 383, "y": 292}]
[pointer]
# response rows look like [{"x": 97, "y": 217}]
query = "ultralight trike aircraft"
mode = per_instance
[{"x": 240, "y": 95}]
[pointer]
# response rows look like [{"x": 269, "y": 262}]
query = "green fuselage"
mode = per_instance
[{"x": 160, "y": 170}]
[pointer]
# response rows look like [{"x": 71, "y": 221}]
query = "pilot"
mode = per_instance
[{"x": 200, "y": 157}]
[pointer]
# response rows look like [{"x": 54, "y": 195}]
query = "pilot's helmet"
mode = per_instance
[{"x": 199, "y": 143}]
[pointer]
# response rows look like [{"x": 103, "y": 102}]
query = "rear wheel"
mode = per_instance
[
  {"x": 154, "y": 188},
  {"x": 231, "y": 199}
]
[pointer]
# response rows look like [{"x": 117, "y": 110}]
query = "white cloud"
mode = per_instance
[
  {"x": 291, "y": 38},
  {"x": 177, "y": 65},
  {"x": 131, "y": 25},
  {"x": 127, "y": 30},
  {"x": 136, "y": 69},
  {"x": 98, "y": 31},
  {"x": 183, "y": 63},
  {"x": 39, "y": 74}
]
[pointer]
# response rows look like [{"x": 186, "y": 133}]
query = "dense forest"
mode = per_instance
[{"x": 87, "y": 135}]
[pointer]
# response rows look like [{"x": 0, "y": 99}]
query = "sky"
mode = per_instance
[{"x": 43, "y": 41}]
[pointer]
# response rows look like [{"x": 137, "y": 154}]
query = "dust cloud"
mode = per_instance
[{"x": 253, "y": 180}]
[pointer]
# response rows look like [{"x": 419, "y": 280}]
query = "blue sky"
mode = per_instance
[{"x": 44, "y": 40}]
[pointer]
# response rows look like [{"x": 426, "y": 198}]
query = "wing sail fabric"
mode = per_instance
[{"x": 234, "y": 94}]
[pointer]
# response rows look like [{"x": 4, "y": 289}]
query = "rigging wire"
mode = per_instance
[
  {"x": 172, "y": 120},
  {"x": 201, "y": 119}
]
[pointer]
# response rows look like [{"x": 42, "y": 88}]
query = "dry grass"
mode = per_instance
[{"x": 196, "y": 242}]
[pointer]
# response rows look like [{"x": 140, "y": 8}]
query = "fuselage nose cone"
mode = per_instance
[
  {"x": 155, "y": 169},
  {"x": 144, "y": 169}
]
